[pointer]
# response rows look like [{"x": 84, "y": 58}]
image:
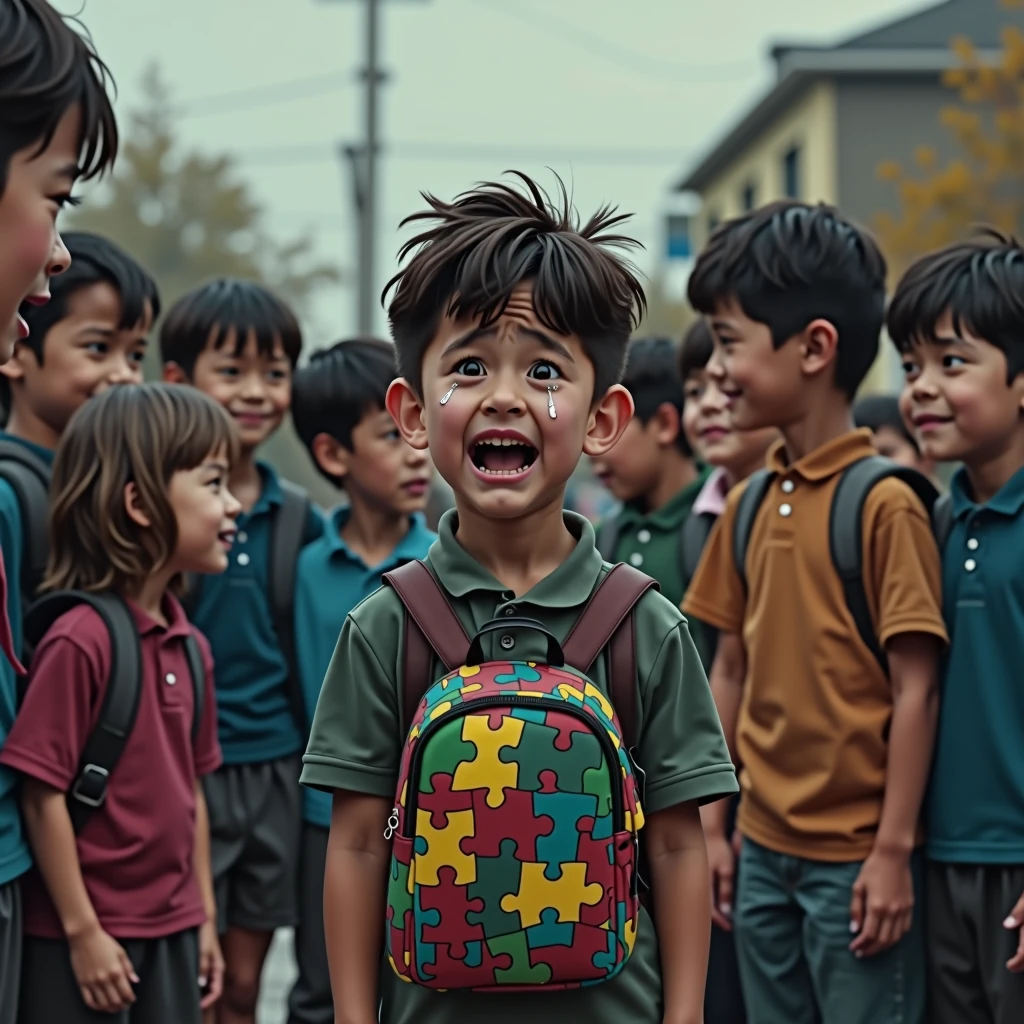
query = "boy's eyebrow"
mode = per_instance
[
  {"x": 479, "y": 333},
  {"x": 718, "y": 324},
  {"x": 220, "y": 467},
  {"x": 70, "y": 171}
]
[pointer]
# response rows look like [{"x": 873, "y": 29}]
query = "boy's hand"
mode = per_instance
[
  {"x": 1016, "y": 920},
  {"x": 882, "y": 907},
  {"x": 211, "y": 965},
  {"x": 722, "y": 865},
  {"x": 103, "y": 971}
]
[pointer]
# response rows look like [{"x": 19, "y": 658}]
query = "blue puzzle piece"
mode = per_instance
[
  {"x": 530, "y": 715},
  {"x": 474, "y": 954},
  {"x": 521, "y": 673},
  {"x": 420, "y": 846},
  {"x": 549, "y": 932},
  {"x": 602, "y": 827},
  {"x": 562, "y": 845},
  {"x": 426, "y": 952},
  {"x": 606, "y": 960}
]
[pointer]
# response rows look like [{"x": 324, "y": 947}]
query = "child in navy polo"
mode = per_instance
[
  {"x": 957, "y": 316},
  {"x": 340, "y": 415},
  {"x": 239, "y": 344},
  {"x": 119, "y": 911}
]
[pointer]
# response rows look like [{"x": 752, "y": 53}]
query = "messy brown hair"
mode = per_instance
[
  {"x": 494, "y": 238},
  {"x": 132, "y": 433}
]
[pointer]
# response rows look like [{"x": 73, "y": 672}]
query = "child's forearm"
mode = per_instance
[
  {"x": 355, "y": 897},
  {"x": 52, "y": 837},
  {"x": 680, "y": 882},
  {"x": 912, "y": 665},
  {"x": 201, "y": 862}
]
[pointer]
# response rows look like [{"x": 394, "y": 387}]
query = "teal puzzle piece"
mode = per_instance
[
  {"x": 549, "y": 932},
  {"x": 562, "y": 845}
]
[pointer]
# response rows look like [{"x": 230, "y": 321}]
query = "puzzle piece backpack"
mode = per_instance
[{"x": 515, "y": 830}]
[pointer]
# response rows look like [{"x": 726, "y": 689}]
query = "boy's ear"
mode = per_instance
[
  {"x": 172, "y": 373},
  {"x": 406, "y": 409},
  {"x": 819, "y": 345},
  {"x": 608, "y": 419},
  {"x": 331, "y": 455},
  {"x": 133, "y": 506},
  {"x": 14, "y": 368},
  {"x": 667, "y": 423}
]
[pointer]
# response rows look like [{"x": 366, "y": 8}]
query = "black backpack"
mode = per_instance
[
  {"x": 29, "y": 478},
  {"x": 693, "y": 536},
  {"x": 288, "y": 536},
  {"x": 846, "y": 528},
  {"x": 105, "y": 744}
]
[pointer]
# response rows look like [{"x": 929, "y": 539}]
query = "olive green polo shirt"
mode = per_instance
[
  {"x": 651, "y": 540},
  {"x": 357, "y": 738}
]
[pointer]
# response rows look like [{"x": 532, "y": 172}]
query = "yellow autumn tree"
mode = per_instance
[{"x": 984, "y": 183}]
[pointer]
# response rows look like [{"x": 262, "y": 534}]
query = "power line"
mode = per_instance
[
  {"x": 265, "y": 95},
  {"x": 586, "y": 39}
]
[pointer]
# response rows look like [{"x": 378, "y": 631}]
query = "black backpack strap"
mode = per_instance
[
  {"x": 846, "y": 534},
  {"x": 942, "y": 519},
  {"x": 746, "y": 513},
  {"x": 287, "y": 538},
  {"x": 608, "y": 537},
  {"x": 105, "y": 744},
  {"x": 29, "y": 478},
  {"x": 692, "y": 538},
  {"x": 196, "y": 669}
]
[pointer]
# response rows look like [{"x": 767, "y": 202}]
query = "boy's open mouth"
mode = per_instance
[{"x": 502, "y": 455}]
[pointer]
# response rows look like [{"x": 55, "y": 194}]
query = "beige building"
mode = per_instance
[{"x": 836, "y": 113}]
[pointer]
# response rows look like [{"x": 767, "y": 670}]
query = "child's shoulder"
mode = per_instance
[{"x": 81, "y": 629}]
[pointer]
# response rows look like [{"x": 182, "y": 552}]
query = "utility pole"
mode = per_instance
[{"x": 363, "y": 161}]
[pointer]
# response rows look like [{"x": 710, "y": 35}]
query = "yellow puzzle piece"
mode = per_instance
[
  {"x": 566, "y": 895},
  {"x": 443, "y": 848},
  {"x": 487, "y": 770}
]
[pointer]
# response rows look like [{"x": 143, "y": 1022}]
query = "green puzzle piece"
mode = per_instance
[
  {"x": 537, "y": 753},
  {"x": 522, "y": 972},
  {"x": 445, "y": 751},
  {"x": 596, "y": 782},
  {"x": 496, "y": 877},
  {"x": 399, "y": 896}
]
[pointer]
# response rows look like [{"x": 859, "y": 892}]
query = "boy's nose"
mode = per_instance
[{"x": 60, "y": 258}]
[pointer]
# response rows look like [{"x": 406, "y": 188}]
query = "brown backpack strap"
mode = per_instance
[
  {"x": 431, "y": 625},
  {"x": 606, "y": 622}
]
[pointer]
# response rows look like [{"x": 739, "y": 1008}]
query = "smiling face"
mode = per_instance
[
  {"x": 255, "y": 388},
  {"x": 38, "y": 187},
  {"x": 84, "y": 353},
  {"x": 710, "y": 431},
  {"x": 494, "y": 440},
  {"x": 957, "y": 399}
]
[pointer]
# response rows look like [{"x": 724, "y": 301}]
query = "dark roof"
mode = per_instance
[{"x": 914, "y": 46}]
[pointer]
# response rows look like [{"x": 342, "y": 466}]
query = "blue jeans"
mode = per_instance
[{"x": 792, "y": 929}]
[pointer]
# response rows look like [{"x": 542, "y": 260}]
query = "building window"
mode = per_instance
[
  {"x": 748, "y": 197},
  {"x": 791, "y": 173}
]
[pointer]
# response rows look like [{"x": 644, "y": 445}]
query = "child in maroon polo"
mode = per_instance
[{"x": 120, "y": 919}]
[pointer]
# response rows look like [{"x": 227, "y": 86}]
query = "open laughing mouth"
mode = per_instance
[{"x": 498, "y": 456}]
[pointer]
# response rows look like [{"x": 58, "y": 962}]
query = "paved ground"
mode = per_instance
[{"x": 278, "y": 975}]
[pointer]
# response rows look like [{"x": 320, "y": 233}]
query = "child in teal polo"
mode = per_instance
[
  {"x": 340, "y": 416},
  {"x": 957, "y": 317},
  {"x": 239, "y": 343},
  {"x": 510, "y": 323},
  {"x": 651, "y": 470}
]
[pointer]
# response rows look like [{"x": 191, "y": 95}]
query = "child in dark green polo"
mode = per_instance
[
  {"x": 339, "y": 414},
  {"x": 957, "y": 316},
  {"x": 239, "y": 343},
  {"x": 511, "y": 321},
  {"x": 651, "y": 470}
]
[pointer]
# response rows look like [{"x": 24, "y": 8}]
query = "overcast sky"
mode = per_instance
[{"x": 617, "y": 97}]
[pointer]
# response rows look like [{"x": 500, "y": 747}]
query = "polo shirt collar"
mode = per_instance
[
  {"x": 271, "y": 493},
  {"x": 672, "y": 514},
  {"x": 408, "y": 548},
  {"x": 177, "y": 621},
  {"x": 826, "y": 461},
  {"x": 1007, "y": 501},
  {"x": 569, "y": 586}
]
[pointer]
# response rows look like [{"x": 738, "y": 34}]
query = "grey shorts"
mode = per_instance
[
  {"x": 310, "y": 1001},
  {"x": 167, "y": 992},
  {"x": 255, "y": 826},
  {"x": 10, "y": 949}
]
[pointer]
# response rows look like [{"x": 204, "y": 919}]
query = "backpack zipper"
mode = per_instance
[{"x": 514, "y": 700}]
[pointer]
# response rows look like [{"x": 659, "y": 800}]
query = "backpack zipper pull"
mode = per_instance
[{"x": 392, "y": 823}]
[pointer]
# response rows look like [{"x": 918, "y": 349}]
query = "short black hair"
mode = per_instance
[
  {"x": 46, "y": 67},
  {"x": 695, "y": 351},
  {"x": 789, "y": 263},
  {"x": 652, "y": 379},
  {"x": 210, "y": 313},
  {"x": 494, "y": 238},
  {"x": 94, "y": 260},
  {"x": 878, "y": 411},
  {"x": 338, "y": 386},
  {"x": 980, "y": 283}
]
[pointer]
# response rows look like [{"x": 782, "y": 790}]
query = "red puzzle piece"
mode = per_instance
[
  {"x": 451, "y": 971},
  {"x": 453, "y": 902},
  {"x": 514, "y": 819},
  {"x": 566, "y": 726},
  {"x": 548, "y": 781},
  {"x": 443, "y": 800}
]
